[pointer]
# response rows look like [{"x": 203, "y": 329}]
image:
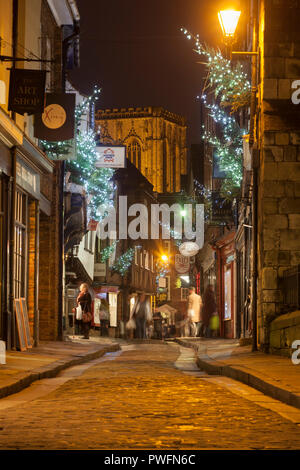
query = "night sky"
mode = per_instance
[{"x": 134, "y": 50}]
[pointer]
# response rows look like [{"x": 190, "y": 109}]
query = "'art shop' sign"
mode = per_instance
[{"x": 27, "y": 91}]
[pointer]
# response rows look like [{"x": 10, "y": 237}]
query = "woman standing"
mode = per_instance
[
  {"x": 209, "y": 307},
  {"x": 84, "y": 299}
]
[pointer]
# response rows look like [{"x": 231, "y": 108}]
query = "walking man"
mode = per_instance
[{"x": 194, "y": 312}]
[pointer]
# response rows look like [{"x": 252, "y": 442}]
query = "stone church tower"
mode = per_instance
[{"x": 155, "y": 141}]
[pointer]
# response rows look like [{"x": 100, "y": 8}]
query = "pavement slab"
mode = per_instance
[
  {"x": 49, "y": 358},
  {"x": 272, "y": 375}
]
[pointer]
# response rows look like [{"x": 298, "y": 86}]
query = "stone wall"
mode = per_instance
[
  {"x": 279, "y": 144},
  {"x": 284, "y": 330}
]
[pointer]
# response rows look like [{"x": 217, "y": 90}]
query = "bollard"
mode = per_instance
[{"x": 2, "y": 353}]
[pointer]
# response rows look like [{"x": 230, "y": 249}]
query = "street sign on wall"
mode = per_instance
[{"x": 111, "y": 156}]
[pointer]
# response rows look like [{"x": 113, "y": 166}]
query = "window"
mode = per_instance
[
  {"x": 20, "y": 248},
  {"x": 166, "y": 247},
  {"x": 86, "y": 241},
  {"x": 168, "y": 286},
  {"x": 136, "y": 260},
  {"x": 98, "y": 250},
  {"x": 141, "y": 259},
  {"x": 91, "y": 242},
  {"x": 184, "y": 293},
  {"x": 146, "y": 260},
  {"x": 134, "y": 153}
]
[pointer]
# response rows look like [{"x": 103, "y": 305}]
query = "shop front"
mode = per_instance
[
  {"x": 106, "y": 308},
  {"x": 26, "y": 214},
  {"x": 226, "y": 286}
]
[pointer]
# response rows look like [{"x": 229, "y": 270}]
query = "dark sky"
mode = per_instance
[{"x": 134, "y": 50}]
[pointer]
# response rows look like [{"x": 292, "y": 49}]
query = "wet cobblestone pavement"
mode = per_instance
[{"x": 139, "y": 400}]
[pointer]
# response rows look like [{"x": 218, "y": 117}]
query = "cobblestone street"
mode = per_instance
[{"x": 140, "y": 400}]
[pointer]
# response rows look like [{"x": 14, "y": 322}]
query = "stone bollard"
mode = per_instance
[{"x": 2, "y": 353}]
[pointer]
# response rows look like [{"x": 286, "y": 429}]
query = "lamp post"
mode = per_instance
[{"x": 229, "y": 20}]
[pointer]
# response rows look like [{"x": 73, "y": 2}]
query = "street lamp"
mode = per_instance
[
  {"x": 229, "y": 20},
  {"x": 164, "y": 258}
]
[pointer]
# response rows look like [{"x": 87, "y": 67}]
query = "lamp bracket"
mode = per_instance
[
  {"x": 244, "y": 53},
  {"x": 6, "y": 58}
]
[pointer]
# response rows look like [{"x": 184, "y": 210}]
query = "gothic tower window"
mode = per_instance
[{"x": 134, "y": 153}]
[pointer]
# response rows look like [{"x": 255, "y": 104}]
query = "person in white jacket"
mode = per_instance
[{"x": 194, "y": 312}]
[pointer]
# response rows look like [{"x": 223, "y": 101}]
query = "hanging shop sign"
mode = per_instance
[
  {"x": 182, "y": 264},
  {"x": 162, "y": 282},
  {"x": 27, "y": 91},
  {"x": 221, "y": 208},
  {"x": 113, "y": 156},
  {"x": 189, "y": 249},
  {"x": 92, "y": 225},
  {"x": 99, "y": 269},
  {"x": 57, "y": 122}
]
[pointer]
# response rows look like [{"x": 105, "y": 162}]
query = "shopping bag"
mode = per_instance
[
  {"x": 131, "y": 325},
  {"x": 79, "y": 312},
  {"x": 214, "y": 321}
]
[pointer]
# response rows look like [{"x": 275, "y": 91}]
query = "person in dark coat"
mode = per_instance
[
  {"x": 85, "y": 300},
  {"x": 209, "y": 307},
  {"x": 141, "y": 315}
]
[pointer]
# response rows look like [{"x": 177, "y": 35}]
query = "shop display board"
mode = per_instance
[
  {"x": 26, "y": 322},
  {"x": 21, "y": 335}
]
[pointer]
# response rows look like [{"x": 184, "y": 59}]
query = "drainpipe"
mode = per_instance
[
  {"x": 255, "y": 164},
  {"x": 36, "y": 274}
]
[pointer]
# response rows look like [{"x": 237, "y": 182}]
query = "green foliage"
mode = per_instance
[
  {"x": 229, "y": 81},
  {"x": 123, "y": 263},
  {"x": 232, "y": 89},
  {"x": 96, "y": 181},
  {"x": 107, "y": 252}
]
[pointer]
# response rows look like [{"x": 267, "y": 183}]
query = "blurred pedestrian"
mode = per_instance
[
  {"x": 195, "y": 312},
  {"x": 209, "y": 308},
  {"x": 84, "y": 299},
  {"x": 142, "y": 315},
  {"x": 104, "y": 318}
]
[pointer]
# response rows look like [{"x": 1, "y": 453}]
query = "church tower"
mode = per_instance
[{"x": 155, "y": 140}]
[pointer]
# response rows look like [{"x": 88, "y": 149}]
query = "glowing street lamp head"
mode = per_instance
[
  {"x": 164, "y": 257},
  {"x": 229, "y": 20}
]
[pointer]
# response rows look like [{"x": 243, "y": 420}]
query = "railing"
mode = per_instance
[{"x": 291, "y": 287}]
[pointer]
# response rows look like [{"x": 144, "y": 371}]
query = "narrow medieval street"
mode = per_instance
[{"x": 145, "y": 396}]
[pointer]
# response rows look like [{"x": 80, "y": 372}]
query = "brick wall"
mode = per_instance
[{"x": 48, "y": 269}]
